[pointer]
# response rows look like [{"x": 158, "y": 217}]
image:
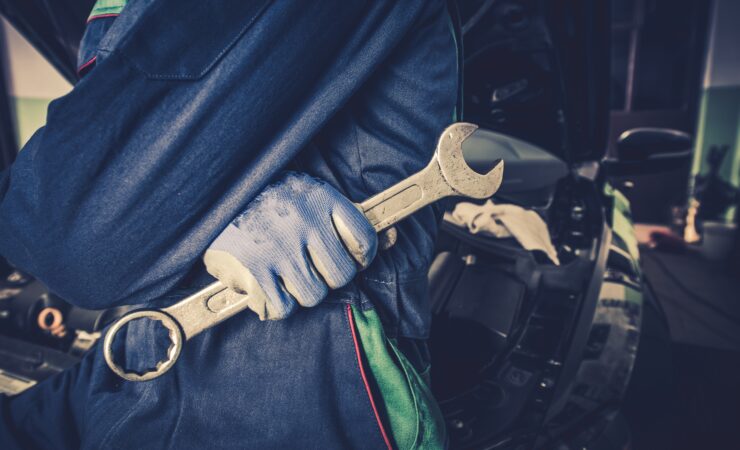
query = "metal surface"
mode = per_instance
[
  {"x": 173, "y": 352},
  {"x": 446, "y": 175}
]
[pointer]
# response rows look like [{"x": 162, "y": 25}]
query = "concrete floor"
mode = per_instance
[
  {"x": 701, "y": 299},
  {"x": 686, "y": 384}
]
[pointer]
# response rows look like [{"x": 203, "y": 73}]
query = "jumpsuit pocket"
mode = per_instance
[
  {"x": 405, "y": 403},
  {"x": 175, "y": 43}
]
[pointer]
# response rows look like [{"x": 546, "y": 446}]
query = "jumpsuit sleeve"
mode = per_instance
[
  {"x": 179, "y": 125},
  {"x": 51, "y": 414}
]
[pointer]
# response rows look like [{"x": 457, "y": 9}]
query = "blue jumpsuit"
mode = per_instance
[{"x": 186, "y": 110}]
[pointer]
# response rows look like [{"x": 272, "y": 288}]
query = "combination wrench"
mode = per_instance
[{"x": 447, "y": 174}]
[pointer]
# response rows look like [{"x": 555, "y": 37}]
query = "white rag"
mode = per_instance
[{"x": 503, "y": 221}]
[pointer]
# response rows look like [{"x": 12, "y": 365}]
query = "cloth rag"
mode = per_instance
[{"x": 503, "y": 221}]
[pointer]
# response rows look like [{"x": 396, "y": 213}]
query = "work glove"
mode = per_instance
[{"x": 296, "y": 240}]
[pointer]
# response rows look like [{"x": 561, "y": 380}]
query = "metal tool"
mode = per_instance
[{"x": 446, "y": 175}]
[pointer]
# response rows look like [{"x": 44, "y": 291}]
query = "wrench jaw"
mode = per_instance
[
  {"x": 456, "y": 133},
  {"x": 463, "y": 180}
]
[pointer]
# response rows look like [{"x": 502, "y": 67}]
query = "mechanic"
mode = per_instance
[{"x": 278, "y": 113}]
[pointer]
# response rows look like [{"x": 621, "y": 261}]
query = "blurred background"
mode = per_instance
[{"x": 671, "y": 68}]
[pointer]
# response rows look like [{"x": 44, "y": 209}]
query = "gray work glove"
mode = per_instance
[{"x": 296, "y": 240}]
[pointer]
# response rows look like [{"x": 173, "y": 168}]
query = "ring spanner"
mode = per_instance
[{"x": 446, "y": 175}]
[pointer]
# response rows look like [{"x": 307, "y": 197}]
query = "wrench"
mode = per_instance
[{"x": 447, "y": 174}]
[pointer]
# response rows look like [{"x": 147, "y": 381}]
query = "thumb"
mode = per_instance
[{"x": 234, "y": 275}]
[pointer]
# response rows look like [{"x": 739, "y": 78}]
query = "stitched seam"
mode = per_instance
[
  {"x": 351, "y": 321},
  {"x": 117, "y": 426},
  {"x": 102, "y": 16},
  {"x": 348, "y": 299},
  {"x": 108, "y": 10},
  {"x": 87, "y": 64},
  {"x": 410, "y": 383},
  {"x": 397, "y": 280},
  {"x": 361, "y": 171},
  {"x": 210, "y": 65}
]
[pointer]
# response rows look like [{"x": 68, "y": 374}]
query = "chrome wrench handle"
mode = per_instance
[{"x": 446, "y": 174}]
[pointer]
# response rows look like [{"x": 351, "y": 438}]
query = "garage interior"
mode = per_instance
[{"x": 673, "y": 65}]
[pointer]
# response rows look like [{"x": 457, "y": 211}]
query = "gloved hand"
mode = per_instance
[{"x": 294, "y": 241}]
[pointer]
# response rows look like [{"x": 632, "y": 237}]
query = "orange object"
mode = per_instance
[{"x": 56, "y": 326}]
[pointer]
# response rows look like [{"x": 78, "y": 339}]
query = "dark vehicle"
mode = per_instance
[{"x": 525, "y": 353}]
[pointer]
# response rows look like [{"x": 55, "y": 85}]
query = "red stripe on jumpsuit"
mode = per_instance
[{"x": 364, "y": 378}]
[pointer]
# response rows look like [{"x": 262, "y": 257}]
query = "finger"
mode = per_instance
[
  {"x": 280, "y": 304},
  {"x": 358, "y": 236},
  {"x": 228, "y": 270},
  {"x": 305, "y": 284},
  {"x": 266, "y": 297},
  {"x": 387, "y": 238},
  {"x": 331, "y": 259}
]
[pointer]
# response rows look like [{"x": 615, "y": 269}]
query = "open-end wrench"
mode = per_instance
[{"x": 447, "y": 174}]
